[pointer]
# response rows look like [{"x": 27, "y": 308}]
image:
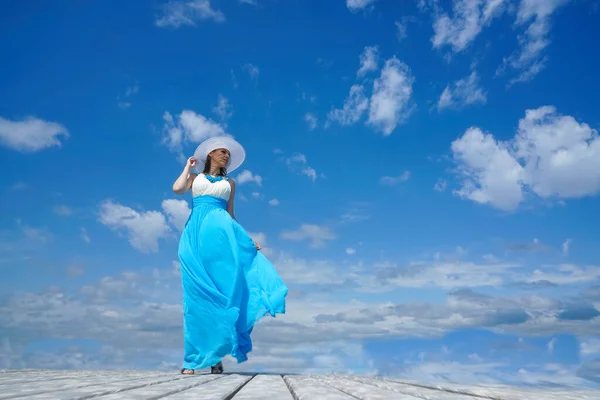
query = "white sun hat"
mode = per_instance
[{"x": 236, "y": 150}]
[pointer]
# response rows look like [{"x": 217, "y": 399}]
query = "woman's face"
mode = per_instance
[{"x": 220, "y": 157}]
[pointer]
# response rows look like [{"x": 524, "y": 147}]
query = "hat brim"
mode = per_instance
[{"x": 236, "y": 150}]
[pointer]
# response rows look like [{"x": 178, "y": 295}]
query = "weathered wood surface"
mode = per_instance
[{"x": 123, "y": 385}]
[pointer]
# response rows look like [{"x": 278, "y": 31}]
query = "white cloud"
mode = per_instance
[
  {"x": 463, "y": 92},
  {"x": 177, "y": 212},
  {"x": 393, "y": 180},
  {"x": 354, "y": 107},
  {"x": 130, "y": 91},
  {"x": 298, "y": 162},
  {"x": 247, "y": 176},
  {"x": 565, "y": 246},
  {"x": 561, "y": 155},
  {"x": 529, "y": 61},
  {"x": 590, "y": 346},
  {"x": 143, "y": 229},
  {"x": 188, "y": 127},
  {"x": 369, "y": 60},
  {"x": 188, "y": 12},
  {"x": 390, "y": 103},
  {"x": 16, "y": 187},
  {"x": 85, "y": 236},
  {"x": 317, "y": 235},
  {"x": 490, "y": 174},
  {"x": 401, "y": 26},
  {"x": 551, "y": 344},
  {"x": 350, "y": 251},
  {"x": 223, "y": 108},
  {"x": 356, "y": 5},
  {"x": 552, "y": 155},
  {"x": 252, "y": 70},
  {"x": 400, "y": 30},
  {"x": 40, "y": 235},
  {"x": 470, "y": 17},
  {"x": 440, "y": 185},
  {"x": 31, "y": 134},
  {"x": 63, "y": 210},
  {"x": 274, "y": 202},
  {"x": 140, "y": 313},
  {"x": 311, "y": 120}
]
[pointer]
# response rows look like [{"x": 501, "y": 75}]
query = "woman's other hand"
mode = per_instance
[{"x": 257, "y": 245}]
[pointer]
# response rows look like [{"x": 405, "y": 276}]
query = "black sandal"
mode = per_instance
[
  {"x": 186, "y": 369},
  {"x": 217, "y": 369}
]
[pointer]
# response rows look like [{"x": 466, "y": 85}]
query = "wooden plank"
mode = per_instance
[
  {"x": 414, "y": 391},
  {"x": 109, "y": 388},
  {"x": 99, "y": 376},
  {"x": 89, "y": 384},
  {"x": 309, "y": 388},
  {"x": 9, "y": 379},
  {"x": 222, "y": 389},
  {"x": 504, "y": 392},
  {"x": 265, "y": 387},
  {"x": 362, "y": 391}
]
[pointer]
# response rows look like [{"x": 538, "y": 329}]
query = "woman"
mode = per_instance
[{"x": 228, "y": 285}]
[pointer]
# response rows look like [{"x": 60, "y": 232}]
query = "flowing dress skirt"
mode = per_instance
[{"x": 228, "y": 285}]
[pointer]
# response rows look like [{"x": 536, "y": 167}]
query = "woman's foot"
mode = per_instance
[
  {"x": 217, "y": 368},
  {"x": 186, "y": 371}
]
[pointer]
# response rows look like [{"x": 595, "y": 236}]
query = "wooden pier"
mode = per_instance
[{"x": 124, "y": 385}]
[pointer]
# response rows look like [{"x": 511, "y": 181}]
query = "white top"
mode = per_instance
[{"x": 203, "y": 187}]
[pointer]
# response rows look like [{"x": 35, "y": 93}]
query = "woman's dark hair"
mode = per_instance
[{"x": 222, "y": 171}]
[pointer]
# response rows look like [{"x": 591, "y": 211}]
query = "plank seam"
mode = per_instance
[
  {"x": 446, "y": 390},
  {"x": 163, "y": 395},
  {"x": 289, "y": 386},
  {"x": 230, "y": 396},
  {"x": 85, "y": 386},
  {"x": 340, "y": 390}
]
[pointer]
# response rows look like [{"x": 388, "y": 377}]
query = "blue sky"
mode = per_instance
[{"x": 424, "y": 176}]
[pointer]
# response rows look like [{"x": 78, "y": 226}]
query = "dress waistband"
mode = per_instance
[{"x": 206, "y": 200}]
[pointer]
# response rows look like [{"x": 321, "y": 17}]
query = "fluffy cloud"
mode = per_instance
[
  {"x": 529, "y": 60},
  {"x": 551, "y": 155},
  {"x": 369, "y": 60},
  {"x": 463, "y": 92},
  {"x": 177, "y": 212},
  {"x": 490, "y": 174},
  {"x": 140, "y": 313},
  {"x": 223, "y": 108},
  {"x": 315, "y": 234},
  {"x": 390, "y": 103},
  {"x": 252, "y": 70},
  {"x": 247, "y": 176},
  {"x": 311, "y": 121},
  {"x": 356, "y": 5},
  {"x": 188, "y": 127},
  {"x": 468, "y": 20},
  {"x": 180, "y": 13},
  {"x": 470, "y": 17},
  {"x": 143, "y": 229},
  {"x": 393, "y": 180},
  {"x": 299, "y": 163},
  {"x": 31, "y": 134},
  {"x": 355, "y": 105}
]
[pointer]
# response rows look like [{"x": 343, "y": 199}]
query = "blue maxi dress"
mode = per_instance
[{"x": 228, "y": 285}]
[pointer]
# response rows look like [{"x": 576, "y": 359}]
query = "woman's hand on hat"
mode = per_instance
[
  {"x": 191, "y": 163},
  {"x": 257, "y": 245}
]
